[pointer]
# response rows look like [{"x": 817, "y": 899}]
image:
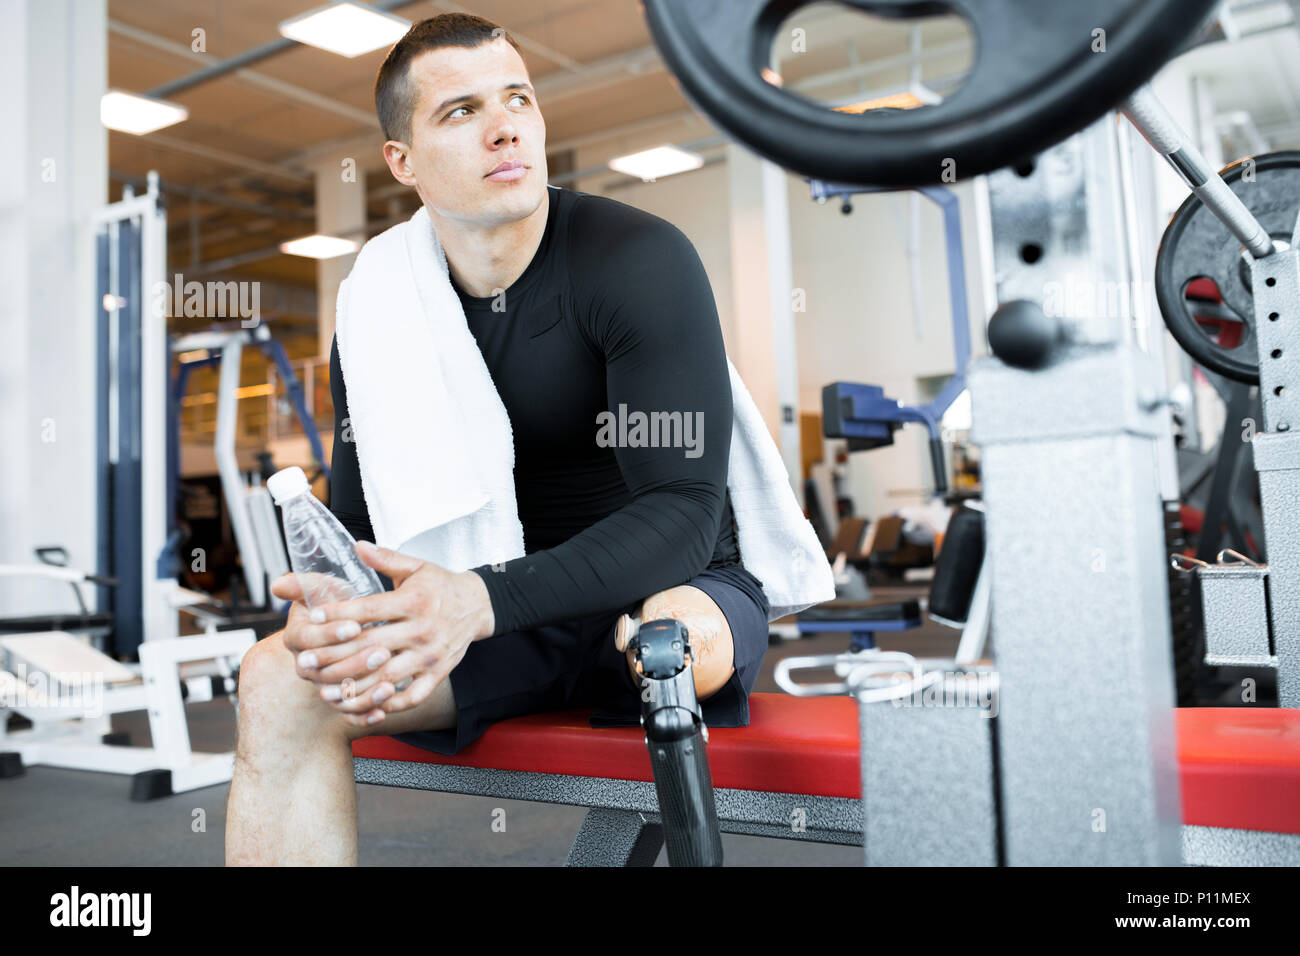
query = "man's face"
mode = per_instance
[{"x": 475, "y": 111}]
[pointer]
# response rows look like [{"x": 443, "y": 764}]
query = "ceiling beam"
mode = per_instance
[
  {"x": 218, "y": 199},
  {"x": 286, "y": 91},
  {"x": 527, "y": 42},
  {"x": 280, "y": 171},
  {"x": 257, "y": 54}
]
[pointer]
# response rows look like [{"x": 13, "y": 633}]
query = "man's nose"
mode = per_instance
[{"x": 503, "y": 127}]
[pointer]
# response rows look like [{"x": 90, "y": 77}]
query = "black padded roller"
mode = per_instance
[{"x": 958, "y": 567}]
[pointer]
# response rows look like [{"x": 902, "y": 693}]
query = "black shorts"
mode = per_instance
[{"x": 575, "y": 664}]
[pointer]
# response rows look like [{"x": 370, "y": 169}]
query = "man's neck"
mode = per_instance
[{"x": 485, "y": 261}]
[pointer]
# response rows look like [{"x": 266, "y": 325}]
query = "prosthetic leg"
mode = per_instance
[{"x": 676, "y": 736}]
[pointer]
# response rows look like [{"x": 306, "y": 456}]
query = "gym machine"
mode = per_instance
[
  {"x": 868, "y": 419},
  {"x": 1239, "y": 232},
  {"x": 1065, "y": 753},
  {"x": 253, "y": 518},
  {"x": 67, "y": 687}
]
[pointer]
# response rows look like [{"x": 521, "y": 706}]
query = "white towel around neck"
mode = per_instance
[{"x": 436, "y": 450}]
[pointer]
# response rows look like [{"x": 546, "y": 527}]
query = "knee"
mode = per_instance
[
  {"x": 273, "y": 699},
  {"x": 708, "y": 633},
  {"x": 262, "y": 672}
]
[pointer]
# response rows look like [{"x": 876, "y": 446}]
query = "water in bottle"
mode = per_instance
[{"x": 321, "y": 551}]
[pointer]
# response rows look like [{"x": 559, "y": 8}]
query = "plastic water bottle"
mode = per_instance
[{"x": 321, "y": 552}]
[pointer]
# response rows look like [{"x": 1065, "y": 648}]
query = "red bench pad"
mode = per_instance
[
  {"x": 792, "y": 745},
  {"x": 1240, "y": 766}
]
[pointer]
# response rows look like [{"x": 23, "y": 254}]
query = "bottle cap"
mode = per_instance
[{"x": 286, "y": 483}]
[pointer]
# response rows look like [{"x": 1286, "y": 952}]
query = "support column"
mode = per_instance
[
  {"x": 762, "y": 288},
  {"x": 1086, "y": 744},
  {"x": 53, "y": 177},
  {"x": 340, "y": 211}
]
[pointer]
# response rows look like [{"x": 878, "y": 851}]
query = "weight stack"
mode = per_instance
[{"x": 929, "y": 773}]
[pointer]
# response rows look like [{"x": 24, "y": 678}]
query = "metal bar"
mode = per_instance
[
  {"x": 160, "y": 619},
  {"x": 1161, "y": 130},
  {"x": 232, "y": 478},
  {"x": 104, "y": 554},
  {"x": 616, "y": 838},
  {"x": 128, "y": 520},
  {"x": 295, "y": 391}
]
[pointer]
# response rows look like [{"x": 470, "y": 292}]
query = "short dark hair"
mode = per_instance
[{"x": 395, "y": 93}]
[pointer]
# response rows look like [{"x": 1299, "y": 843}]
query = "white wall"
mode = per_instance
[
  {"x": 53, "y": 176},
  {"x": 860, "y": 323}
]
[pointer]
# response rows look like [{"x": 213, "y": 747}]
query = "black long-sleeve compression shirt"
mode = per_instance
[{"x": 608, "y": 356}]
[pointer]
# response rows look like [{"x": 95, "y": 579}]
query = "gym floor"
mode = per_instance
[{"x": 53, "y": 817}]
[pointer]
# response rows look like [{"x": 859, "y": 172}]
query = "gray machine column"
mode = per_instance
[
  {"x": 1080, "y": 621},
  {"x": 1276, "y": 284}
]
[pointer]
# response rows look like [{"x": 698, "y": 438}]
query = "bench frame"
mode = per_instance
[{"x": 622, "y": 826}]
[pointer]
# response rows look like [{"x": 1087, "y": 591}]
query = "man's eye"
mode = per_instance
[
  {"x": 520, "y": 96},
  {"x": 456, "y": 110}
]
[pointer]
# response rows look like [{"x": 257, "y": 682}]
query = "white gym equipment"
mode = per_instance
[{"x": 61, "y": 682}]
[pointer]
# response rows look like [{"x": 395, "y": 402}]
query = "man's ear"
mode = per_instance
[{"x": 397, "y": 156}]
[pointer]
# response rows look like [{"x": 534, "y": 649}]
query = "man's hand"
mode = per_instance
[{"x": 421, "y": 631}]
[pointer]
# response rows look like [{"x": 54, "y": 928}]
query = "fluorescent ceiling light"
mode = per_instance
[
  {"x": 347, "y": 28},
  {"x": 319, "y": 247},
  {"x": 657, "y": 162},
  {"x": 132, "y": 113}
]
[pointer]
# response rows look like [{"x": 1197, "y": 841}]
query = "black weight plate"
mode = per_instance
[
  {"x": 1035, "y": 80},
  {"x": 1197, "y": 245}
]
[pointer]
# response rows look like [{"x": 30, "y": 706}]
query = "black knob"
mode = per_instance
[{"x": 1021, "y": 334}]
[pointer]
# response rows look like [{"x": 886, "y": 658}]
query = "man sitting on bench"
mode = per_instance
[{"x": 606, "y": 308}]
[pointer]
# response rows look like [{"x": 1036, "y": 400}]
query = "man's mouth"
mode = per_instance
[{"x": 508, "y": 172}]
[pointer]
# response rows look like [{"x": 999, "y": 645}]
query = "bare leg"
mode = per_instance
[
  {"x": 293, "y": 799},
  {"x": 709, "y": 635}
]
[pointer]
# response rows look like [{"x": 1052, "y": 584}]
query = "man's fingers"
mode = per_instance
[
  {"x": 414, "y": 695},
  {"x": 432, "y": 677},
  {"x": 287, "y": 588},
  {"x": 389, "y": 606},
  {"x": 307, "y": 636},
  {"x": 357, "y": 696},
  {"x": 394, "y": 564},
  {"x": 353, "y": 658}
]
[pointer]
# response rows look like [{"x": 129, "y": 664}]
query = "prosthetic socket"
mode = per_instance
[{"x": 676, "y": 736}]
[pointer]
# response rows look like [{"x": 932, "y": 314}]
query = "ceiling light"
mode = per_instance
[
  {"x": 132, "y": 113},
  {"x": 906, "y": 100},
  {"x": 319, "y": 247},
  {"x": 347, "y": 28},
  {"x": 657, "y": 162}
]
